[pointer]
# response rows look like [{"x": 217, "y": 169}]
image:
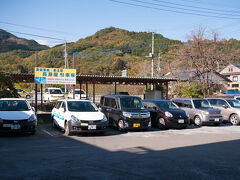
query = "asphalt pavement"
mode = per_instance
[{"x": 208, "y": 152}]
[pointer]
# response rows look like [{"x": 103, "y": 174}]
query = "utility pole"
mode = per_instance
[
  {"x": 66, "y": 62},
  {"x": 152, "y": 52},
  {"x": 65, "y": 55},
  {"x": 158, "y": 64}
]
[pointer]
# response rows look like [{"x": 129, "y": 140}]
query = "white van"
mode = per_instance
[
  {"x": 53, "y": 94},
  {"x": 78, "y": 92}
]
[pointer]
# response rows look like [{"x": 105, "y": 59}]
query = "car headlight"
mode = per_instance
[
  {"x": 168, "y": 114},
  {"x": 127, "y": 114},
  {"x": 104, "y": 119},
  {"x": 148, "y": 115},
  {"x": 32, "y": 118},
  {"x": 206, "y": 112},
  {"x": 74, "y": 118}
]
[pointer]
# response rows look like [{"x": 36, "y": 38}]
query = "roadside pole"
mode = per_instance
[
  {"x": 36, "y": 64},
  {"x": 76, "y": 75}
]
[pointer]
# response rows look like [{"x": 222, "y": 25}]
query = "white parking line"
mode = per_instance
[{"x": 47, "y": 132}]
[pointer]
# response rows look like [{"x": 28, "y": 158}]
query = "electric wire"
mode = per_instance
[{"x": 169, "y": 10}]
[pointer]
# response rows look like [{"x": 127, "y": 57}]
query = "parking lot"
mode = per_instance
[{"x": 208, "y": 152}]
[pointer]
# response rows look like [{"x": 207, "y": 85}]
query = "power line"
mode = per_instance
[
  {"x": 183, "y": 8},
  {"x": 168, "y": 10},
  {"x": 210, "y": 9},
  {"x": 31, "y": 27},
  {"x": 47, "y": 37}
]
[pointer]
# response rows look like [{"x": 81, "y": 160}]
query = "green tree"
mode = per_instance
[{"x": 7, "y": 89}]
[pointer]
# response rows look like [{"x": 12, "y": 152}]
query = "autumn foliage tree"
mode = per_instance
[{"x": 205, "y": 53}]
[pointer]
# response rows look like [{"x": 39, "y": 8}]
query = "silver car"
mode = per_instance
[
  {"x": 229, "y": 107},
  {"x": 199, "y": 110}
]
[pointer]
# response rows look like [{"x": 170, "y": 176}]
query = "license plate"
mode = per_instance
[
  {"x": 181, "y": 121},
  {"x": 15, "y": 126},
  {"x": 136, "y": 125},
  {"x": 92, "y": 126},
  {"x": 217, "y": 119},
  {"x": 84, "y": 124},
  {"x": 6, "y": 125}
]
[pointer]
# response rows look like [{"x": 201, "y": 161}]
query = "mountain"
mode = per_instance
[
  {"x": 107, "y": 52},
  {"x": 9, "y": 42}
]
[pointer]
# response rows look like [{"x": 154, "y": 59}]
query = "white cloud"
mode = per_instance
[{"x": 48, "y": 43}]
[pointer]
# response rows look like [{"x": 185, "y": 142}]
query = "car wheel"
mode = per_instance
[
  {"x": 33, "y": 132},
  {"x": 67, "y": 131},
  {"x": 53, "y": 123},
  {"x": 161, "y": 124},
  {"x": 197, "y": 121},
  {"x": 120, "y": 125},
  {"x": 28, "y": 96},
  {"x": 234, "y": 119}
]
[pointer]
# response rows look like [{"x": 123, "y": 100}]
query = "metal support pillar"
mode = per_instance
[
  {"x": 80, "y": 83},
  {"x": 36, "y": 64},
  {"x": 41, "y": 95},
  {"x": 115, "y": 87},
  {"x": 94, "y": 82},
  {"x": 73, "y": 68},
  {"x": 166, "y": 83},
  {"x": 86, "y": 89}
]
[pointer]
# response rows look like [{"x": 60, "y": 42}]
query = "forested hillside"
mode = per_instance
[
  {"x": 110, "y": 50},
  {"x": 107, "y": 52},
  {"x": 9, "y": 42}
]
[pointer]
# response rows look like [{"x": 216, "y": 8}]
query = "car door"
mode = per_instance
[
  {"x": 151, "y": 107},
  {"x": 188, "y": 107},
  {"x": 224, "y": 107}
]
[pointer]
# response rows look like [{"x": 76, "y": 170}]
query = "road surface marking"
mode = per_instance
[{"x": 47, "y": 132}]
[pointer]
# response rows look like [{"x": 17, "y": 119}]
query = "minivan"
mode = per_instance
[
  {"x": 165, "y": 114},
  {"x": 229, "y": 107},
  {"x": 53, "y": 94},
  {"x": 200, "y": 111},
  {"x": 125, "y": 112}
]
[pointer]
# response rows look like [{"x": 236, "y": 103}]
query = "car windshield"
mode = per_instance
[
  {"x": 234, "y": 103},
  {"x": 55, "y": 91},
  {"x": 166, "y": 105},
  {"x": 201, "y": 103},
  {"x": 131, "y": 103},
  {"x": 81, "y": 106},
  {"x": 14, "y": 105},
  {"x": 78, "y": 92}
]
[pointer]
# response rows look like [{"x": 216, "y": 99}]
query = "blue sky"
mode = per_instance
[{"x": 71, "y": 20}]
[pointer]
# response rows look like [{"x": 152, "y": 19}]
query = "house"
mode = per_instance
[
  {"x": 232, "y": 72},
  {"x": 220, "y": 82}
]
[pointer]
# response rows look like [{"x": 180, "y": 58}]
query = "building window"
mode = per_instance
[
  {"x": 230, "y": 69},
  {"x": 235, "y": 78},
  {"x": 235, "y": 85}
]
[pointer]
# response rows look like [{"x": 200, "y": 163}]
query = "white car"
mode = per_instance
[
  {"x": 76, "y": 116},
  {"x": 77, "y": 94},
  {"x": 52, "y": 94},
  {"x": 16, "y": 115}
]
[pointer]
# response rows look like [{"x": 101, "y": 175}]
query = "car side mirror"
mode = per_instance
[
  {"x": 225, "y": 106},
  {"x": 100, "y": 109},
  {"x": 145, "y": 106},
  {"x": 154, "y": 108},
  {"x": 33, "y": 109}
]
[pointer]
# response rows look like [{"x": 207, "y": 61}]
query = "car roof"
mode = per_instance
[
  {"x": 84, "y": 100},
  {"x": 187, "y": 98},
  {"x": 222, "y": 98},
  {"x": 12, "y": 99},
  {"x": 118, "y": 96},
  {"x": 155, "y": 100}
]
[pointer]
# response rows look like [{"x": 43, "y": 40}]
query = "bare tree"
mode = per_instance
[{"x": 204, "y": 54}]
